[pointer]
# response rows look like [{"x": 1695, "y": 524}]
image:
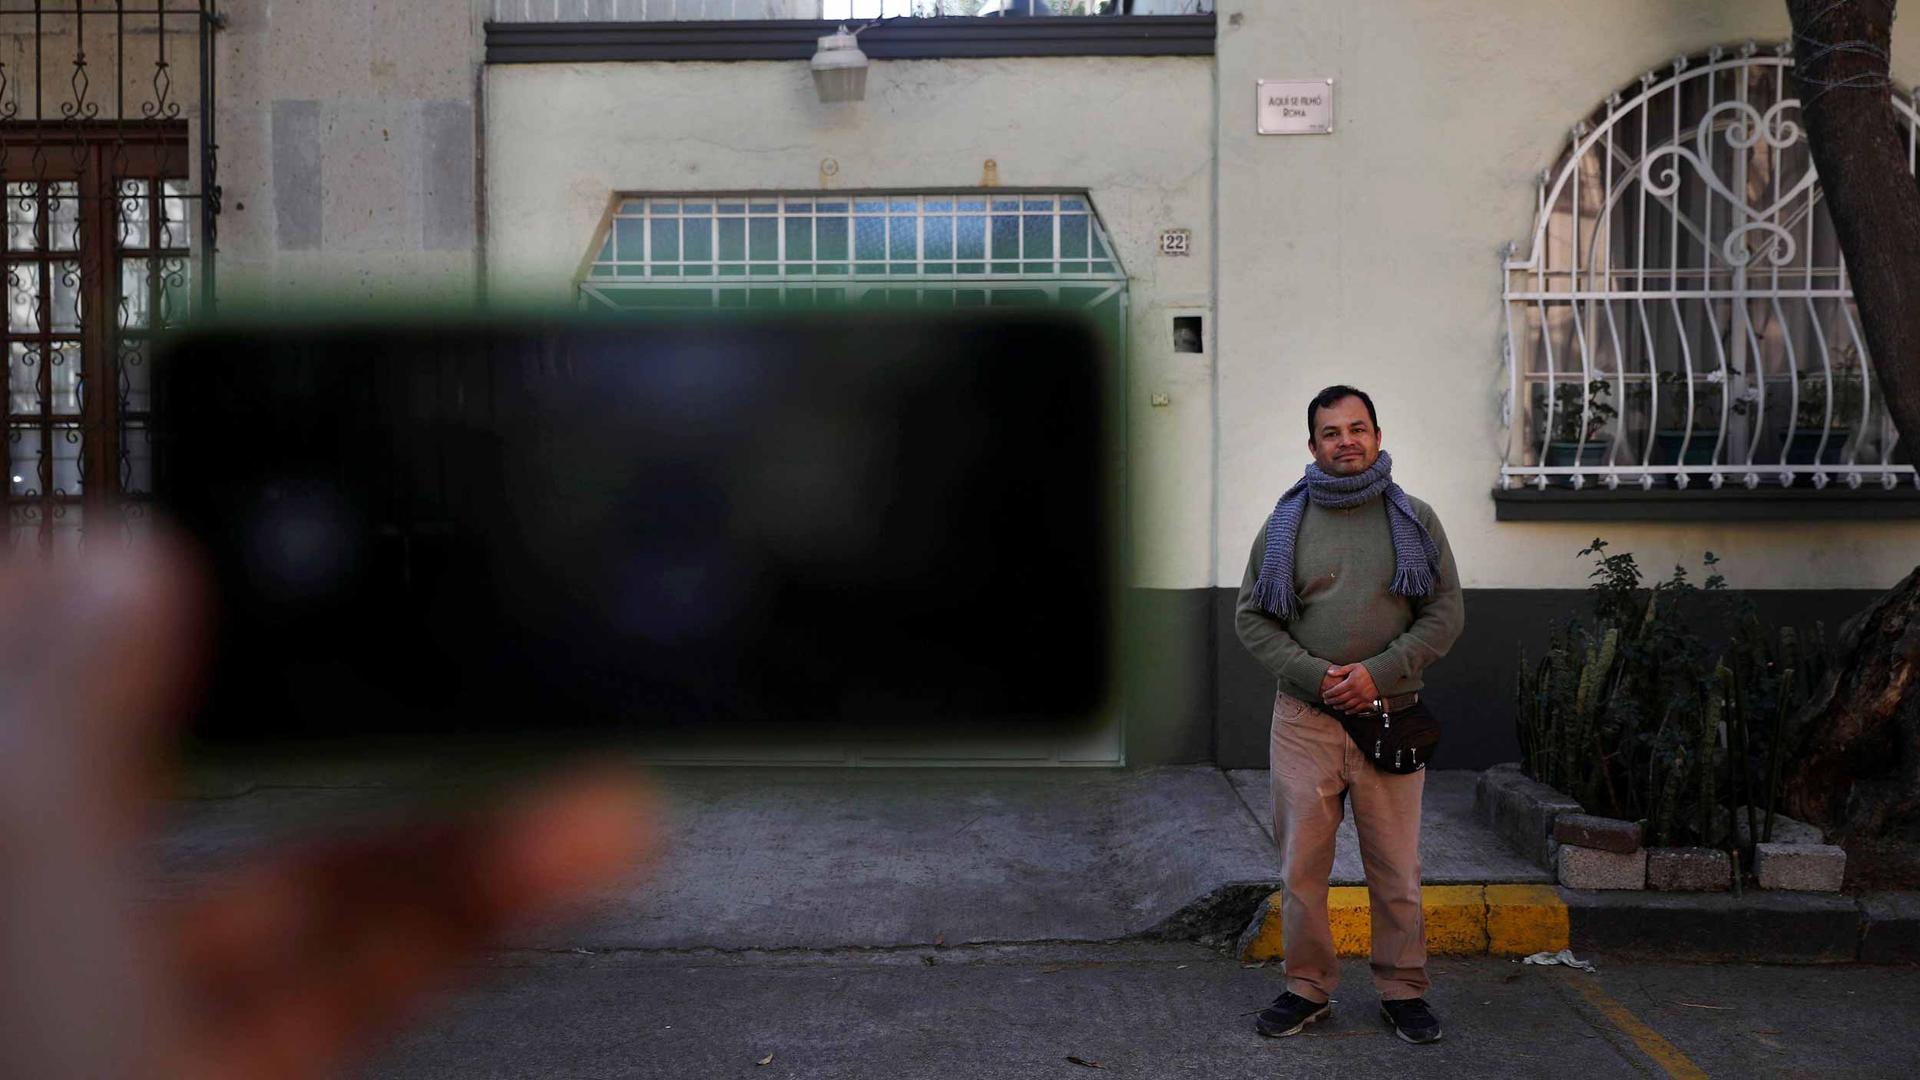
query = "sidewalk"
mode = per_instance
[
  {"x": 821, "y": 858},
  {"x": 770, "y": 858},
  {"x": 1456, "y": 847},
  {"x": 814, "y": 858}
]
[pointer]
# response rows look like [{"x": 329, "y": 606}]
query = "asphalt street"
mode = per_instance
[
  {"x": 985, "y": 924},
  {"x": 1137, "y": 1010}
]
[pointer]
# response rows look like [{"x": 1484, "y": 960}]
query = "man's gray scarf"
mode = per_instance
[{"x": 1416, "y": 558}]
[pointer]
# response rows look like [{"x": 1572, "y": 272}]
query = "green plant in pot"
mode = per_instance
[
  {"x": 1846, "y": 386},
  {"x": 1699, "y": 437},
  {"x": 1581, "y": 414}
]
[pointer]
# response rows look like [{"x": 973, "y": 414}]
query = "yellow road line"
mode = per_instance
[{"x": 1651, "y": 1042}]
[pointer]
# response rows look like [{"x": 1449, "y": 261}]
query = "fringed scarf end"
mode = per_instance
[
  {"x": 1273, "y": 597},
  {"x": 1412, "y": 581}
]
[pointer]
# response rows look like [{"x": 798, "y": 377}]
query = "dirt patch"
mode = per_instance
[{"x": 1882, "y": 865}]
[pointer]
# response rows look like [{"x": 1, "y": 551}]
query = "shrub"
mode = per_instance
[{"x": 1639, "y": 715}]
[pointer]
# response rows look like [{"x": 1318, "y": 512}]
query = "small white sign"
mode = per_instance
[
  {"x": 1175, "y": 241},
  {"x": 1295, "y": 106}
]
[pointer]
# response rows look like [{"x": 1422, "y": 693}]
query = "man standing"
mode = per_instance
[{"x": 1349, "y": 594}]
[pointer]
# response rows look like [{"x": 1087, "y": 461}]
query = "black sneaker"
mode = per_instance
[
  {"x": 1288, "y": 1014},
  {"x": 1411, "y": 1020}
]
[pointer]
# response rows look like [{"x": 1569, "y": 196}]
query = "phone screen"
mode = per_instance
[{"x": 671, "y": 524}]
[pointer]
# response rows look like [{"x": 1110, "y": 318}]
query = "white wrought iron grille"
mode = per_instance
[
  {"x": 535, "y": 11},
  {"x": 956, "y": 249},
  {"x": 1682, "y": 314}
]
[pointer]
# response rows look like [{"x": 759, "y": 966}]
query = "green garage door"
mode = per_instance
[{"x": 919, "y": 250}]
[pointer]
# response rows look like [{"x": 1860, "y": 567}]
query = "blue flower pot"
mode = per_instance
[
  {"x": 1666, "y": 448},
  {"x": 1560, "y": 454},
  {"x": 1800, "y": 449}
]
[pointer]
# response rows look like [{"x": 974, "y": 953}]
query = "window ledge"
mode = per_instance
[
  {"x": 1836, "y": 502},
  {"x": 796, "y": 39}
]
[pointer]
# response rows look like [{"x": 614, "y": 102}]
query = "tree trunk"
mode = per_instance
[
  {"x": 1841, "y": 63},
  {"x": 1854, "y": 752},
  {"x": 1855, "y": 765}
]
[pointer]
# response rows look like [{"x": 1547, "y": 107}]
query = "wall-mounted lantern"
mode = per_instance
[{"x": 839, "y": 67}]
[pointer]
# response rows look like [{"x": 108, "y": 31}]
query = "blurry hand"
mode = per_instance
[{"x": 286, "y": 968}]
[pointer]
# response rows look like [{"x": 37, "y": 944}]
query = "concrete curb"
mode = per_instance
[
  {"x": 1522, "y": 811},
  {"x": 1772, "y": 927},
  {"x": 1892, "y": 933},
  {"x": 1519, "y": 920}
]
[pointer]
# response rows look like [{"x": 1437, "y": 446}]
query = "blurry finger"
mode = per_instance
[
  {"x": 308, "y": 959},
  {"x": 95, "y": 652},
  {"x": 463, "y": 880}
]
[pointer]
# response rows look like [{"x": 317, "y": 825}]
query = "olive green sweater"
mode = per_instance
[{"x": 1341, "y": 568}]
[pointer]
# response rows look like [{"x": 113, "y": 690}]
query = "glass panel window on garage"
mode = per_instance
[{"x": 872, "y": 250}]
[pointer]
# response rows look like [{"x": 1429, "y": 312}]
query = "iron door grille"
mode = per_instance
[{"x": 107, "y": 169}]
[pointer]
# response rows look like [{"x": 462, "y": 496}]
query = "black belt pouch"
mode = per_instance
[{"x": 1397, "y": 742}]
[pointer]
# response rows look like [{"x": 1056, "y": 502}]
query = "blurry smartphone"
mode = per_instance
[{"x": 676, "y": 524}]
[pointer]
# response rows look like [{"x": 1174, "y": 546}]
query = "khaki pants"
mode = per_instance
[{"x": 1315, "y": 765}]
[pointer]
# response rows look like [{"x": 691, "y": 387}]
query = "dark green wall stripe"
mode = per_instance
[{"x": 1193, "y": 694}]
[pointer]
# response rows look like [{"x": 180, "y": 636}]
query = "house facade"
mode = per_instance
[{"x": 1576, "y": 253}]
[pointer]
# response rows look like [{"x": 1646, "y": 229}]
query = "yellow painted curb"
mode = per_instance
[
  {"x": 1456, "y": 919},
  {"x": 1265, "y": 941},
  {"x": 1351, "y": 915},
  {"x": 1525, "y": 919},
  {"x": 1462, "y": 920}
]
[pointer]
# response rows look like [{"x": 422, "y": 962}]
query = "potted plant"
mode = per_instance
[
  {"x": 1810, "y": 418},
  {"x": 1580, "y": 417},
  {"x": 1700, "y": 436}
]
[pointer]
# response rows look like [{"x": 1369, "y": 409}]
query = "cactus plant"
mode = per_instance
[{"x": 1636, "y": 714}]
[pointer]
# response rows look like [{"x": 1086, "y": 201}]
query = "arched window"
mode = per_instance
[{"x": 1681, "y": 314}]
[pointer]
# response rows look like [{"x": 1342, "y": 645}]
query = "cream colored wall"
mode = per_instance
[
  {"x": 1136, "y": 133},
  {"x": 371, "y": 197},
  {"x": 386, "y": 174},
  {"x": 1372, "y": 256}
]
